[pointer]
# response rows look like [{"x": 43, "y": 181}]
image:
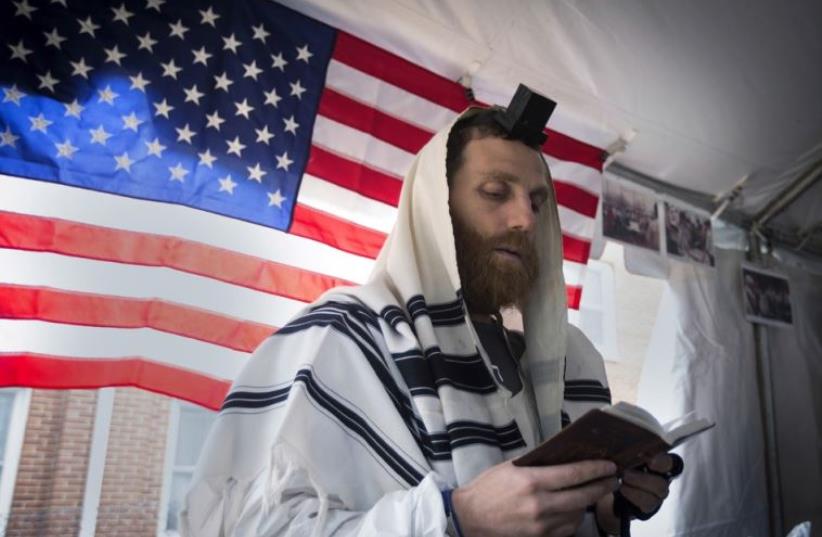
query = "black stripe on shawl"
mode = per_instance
[
  {"x": 565, "y": 419},
  {"x": 244, "y": 399},
  {"x": 586, "y": 390},
  {"x": 357, "y": 424},
  {"x": 424, "y": 374},
  {"x": 445, "y": 314}
]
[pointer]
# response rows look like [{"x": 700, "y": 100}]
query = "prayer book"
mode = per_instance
[{"x": 623, "y": 433}]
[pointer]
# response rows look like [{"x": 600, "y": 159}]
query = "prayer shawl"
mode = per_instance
[{"x": 354, "y": 415}]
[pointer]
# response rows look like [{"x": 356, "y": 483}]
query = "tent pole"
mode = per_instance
[
  {"x": 787, "y": 196},
  {"x": 764, "y": 376}
]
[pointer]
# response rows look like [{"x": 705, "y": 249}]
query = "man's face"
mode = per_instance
[{"x": 495, "y": 197}]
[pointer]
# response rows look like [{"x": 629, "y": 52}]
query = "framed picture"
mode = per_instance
[
  {"x": 688, "y": 235},
  {"x": 630, "y": 215},
  {"x": 766, "y": 296}
]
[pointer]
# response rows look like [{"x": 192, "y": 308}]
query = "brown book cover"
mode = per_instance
[{"x": 597, "y": 435}]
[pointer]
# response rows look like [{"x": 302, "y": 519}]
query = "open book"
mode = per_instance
[{"x": 622, "y": 433}]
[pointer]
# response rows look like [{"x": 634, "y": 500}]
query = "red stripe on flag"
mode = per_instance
[
  {"x": 87, "y": 309},
  {"x": 389, "y": 67},
  {"x": 576, "y": 198},
  {"x": 63, "y": 372},
  {"x": 37, "y": 233},
  {"x": 575, "y": 249},
  {"x": 563, "y": 147},
  {"x": 354, "y": 176},
  {"x": 341, "y": 234},
  {"x": 357, "y": 115},
  {"x": 574, "y": 295}
]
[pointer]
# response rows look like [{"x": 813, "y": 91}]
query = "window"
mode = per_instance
[
  {"x": 597, "y": 311},
  {"x": 14, "y": 407},
  {"x": 188, "y": 429}
]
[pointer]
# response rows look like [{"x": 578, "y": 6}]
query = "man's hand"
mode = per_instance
[
  {"x": 645, "y": 490},
  {"x": 547, "y": 501}
]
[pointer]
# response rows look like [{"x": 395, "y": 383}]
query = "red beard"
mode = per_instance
[{"x": 490, "y": 280}]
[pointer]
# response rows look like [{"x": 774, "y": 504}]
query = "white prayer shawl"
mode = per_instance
[{"x": 353, "y": 417}]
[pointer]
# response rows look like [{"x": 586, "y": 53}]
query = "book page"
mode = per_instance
[
  {"x": 636, "y": 415},
  {"x": 686, "y": 430}
]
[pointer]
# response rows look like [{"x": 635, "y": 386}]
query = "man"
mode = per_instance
[{"x": 395, "y": 408}]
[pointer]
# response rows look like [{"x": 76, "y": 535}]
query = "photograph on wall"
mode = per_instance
[
  {"x": 630, "y": 215},
  {"x": 688, "y": 235},
  {"x": 766, "y": 296}
]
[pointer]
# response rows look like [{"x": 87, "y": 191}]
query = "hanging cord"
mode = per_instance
[{"x": 625, "y": 510}]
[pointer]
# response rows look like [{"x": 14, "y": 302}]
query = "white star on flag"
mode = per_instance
[
  {"x": 208, "y": 17},
  {"x": 231, "y": 43},
  {"x": 80, "y": 68},
  {"x": 7, "y": 138},
  {"x": 222, "y": 82},
  {"x": 260, "y": 33},
  {"x": 297, "y": 89},
  {"x": 88, "y": 27},
  {"x": 73, "y": 109},
  {"x": 131, "y": 122},
  {"x": 272, "y": 98},
  {"x": 155, "y": 147},
  {"x": 39, "y": 123},
  {"x": 138, "y": 82},
  {"x": 177, "y": 29},
  {"x": 154, "y": 4},
  {"x": 19, "y": 52},
  {"x": 171, "y": 70},
  {"x": 214, "y": 120},
  {"x": 283, "y": 162},
  {"x": 24, "y": 9},
  {"x": 279, "y": 62},
  {"x": 193, "y": 94},
  {"x": 163, "y": 108},
  {"x": 178, "y": 173},
  {"x": 243, "y": 108},
  {"x": 47, "y": 81},
  {"x": 13, "y": 95},
  {"x": 99, "y": 135},
  {"x": 290, "y": 125},
  {"x": 185, "y": 134},
  {"x": 275, "y": 199},
  {"x": 251, "y": 70},
  {"x": 107, "y": 96},
  {"x": 255, "y": 173},
  {"x": 263, "y": 135},
  {"x": 113, "y": 55},
  {"x": 201, "y": 56},
  {"x": 53, "y": 39},
  {"x": 206, "y": 158},
  {"x": 122, "y": 14},
  {"x": 66, "y": 150},
  {"x": 146, "y": 42},
  {"x": 227, "y": 185},
  {"x": 303, "y": 53},
  {"x": 234, "y": 146},
  {"x": 123, "y": 162}
]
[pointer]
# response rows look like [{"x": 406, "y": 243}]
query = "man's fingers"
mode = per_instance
[
  {"x": 571, "y": 475},
  {"x": 662, "y": 463},
  {"x": 651, "y": 483},
  {"x": 646, "y": 501},
  {"x": 580, "y": 497}
]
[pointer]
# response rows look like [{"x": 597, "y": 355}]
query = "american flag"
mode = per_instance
[{"x": 177, "y": 179}]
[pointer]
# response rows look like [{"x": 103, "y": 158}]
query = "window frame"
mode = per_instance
[{"x": 18, "y": 418}]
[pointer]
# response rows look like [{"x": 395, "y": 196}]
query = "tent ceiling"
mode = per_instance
[{"x": 714, "y": 91}]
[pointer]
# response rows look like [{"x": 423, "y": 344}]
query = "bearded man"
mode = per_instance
[{"x": 395, "y": 408}]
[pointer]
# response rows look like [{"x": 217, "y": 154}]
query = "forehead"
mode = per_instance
[{"x": 483, "y": 157}]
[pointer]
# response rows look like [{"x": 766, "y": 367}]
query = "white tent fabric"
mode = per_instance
[{"x": 702, "y": 358}]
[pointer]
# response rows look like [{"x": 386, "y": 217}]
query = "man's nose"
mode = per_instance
[{"x": 522, "y": 216}]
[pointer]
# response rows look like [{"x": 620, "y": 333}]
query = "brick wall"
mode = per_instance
[
  {"x": 48, "y": 493},
  {"x": 133, "y": 478}
]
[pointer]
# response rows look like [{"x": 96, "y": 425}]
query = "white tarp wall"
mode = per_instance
[{"x": 702, "y": 357}]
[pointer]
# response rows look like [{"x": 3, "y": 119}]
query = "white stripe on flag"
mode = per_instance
[
  {"x": 387, "y": 98},
  {"x": 41, "y": 198},
  {"x": 346, "y": 204},
  {"x": 91, "y": 342}
]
